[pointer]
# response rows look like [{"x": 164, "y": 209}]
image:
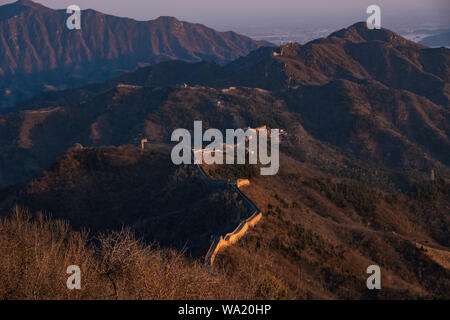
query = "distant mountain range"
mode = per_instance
[
  {"x": 38, "y": 53},
  {"x": 386, "y": 98},
  {"x": 355, "y": 54},
  {"x": 364, "y": 167}
]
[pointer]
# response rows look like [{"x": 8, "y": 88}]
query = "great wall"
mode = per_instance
[{"x": 220, "y": 242}]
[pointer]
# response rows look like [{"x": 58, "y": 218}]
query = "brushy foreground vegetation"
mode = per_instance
[{"x": 36, "y": 251}]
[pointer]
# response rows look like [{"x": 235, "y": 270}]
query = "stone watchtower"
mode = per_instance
[{"x": 143, "y": 142}]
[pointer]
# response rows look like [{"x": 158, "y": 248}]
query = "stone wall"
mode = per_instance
[
  {"x": 222, "y": 242},
  {"x": 230, "y": 238},
  {"x": 242, "y": 183}
]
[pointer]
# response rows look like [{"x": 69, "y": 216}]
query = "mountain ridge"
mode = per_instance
[
  {"x": 394, "y": 62},
  {"x": 38, "y": 53}
]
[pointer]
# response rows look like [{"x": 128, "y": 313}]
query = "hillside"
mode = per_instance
[
  {"x": 106, "y": 188},
  {"x": 116, "y": 266},
  {"x": 38, "y": 53},
  {"x": 369, "y": 134},
  {"x": 319, "y": 233}
]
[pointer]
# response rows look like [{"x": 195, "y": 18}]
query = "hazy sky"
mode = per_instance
[{"x": 247, "y": 14}]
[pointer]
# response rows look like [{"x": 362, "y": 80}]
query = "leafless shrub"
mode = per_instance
[{"x": 35, "y": 252}]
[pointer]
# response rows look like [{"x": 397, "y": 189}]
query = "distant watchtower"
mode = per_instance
[{"x": 143, "y": 142}]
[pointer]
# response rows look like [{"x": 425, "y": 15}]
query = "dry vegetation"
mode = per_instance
[{"x": 36, "y": 251}]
